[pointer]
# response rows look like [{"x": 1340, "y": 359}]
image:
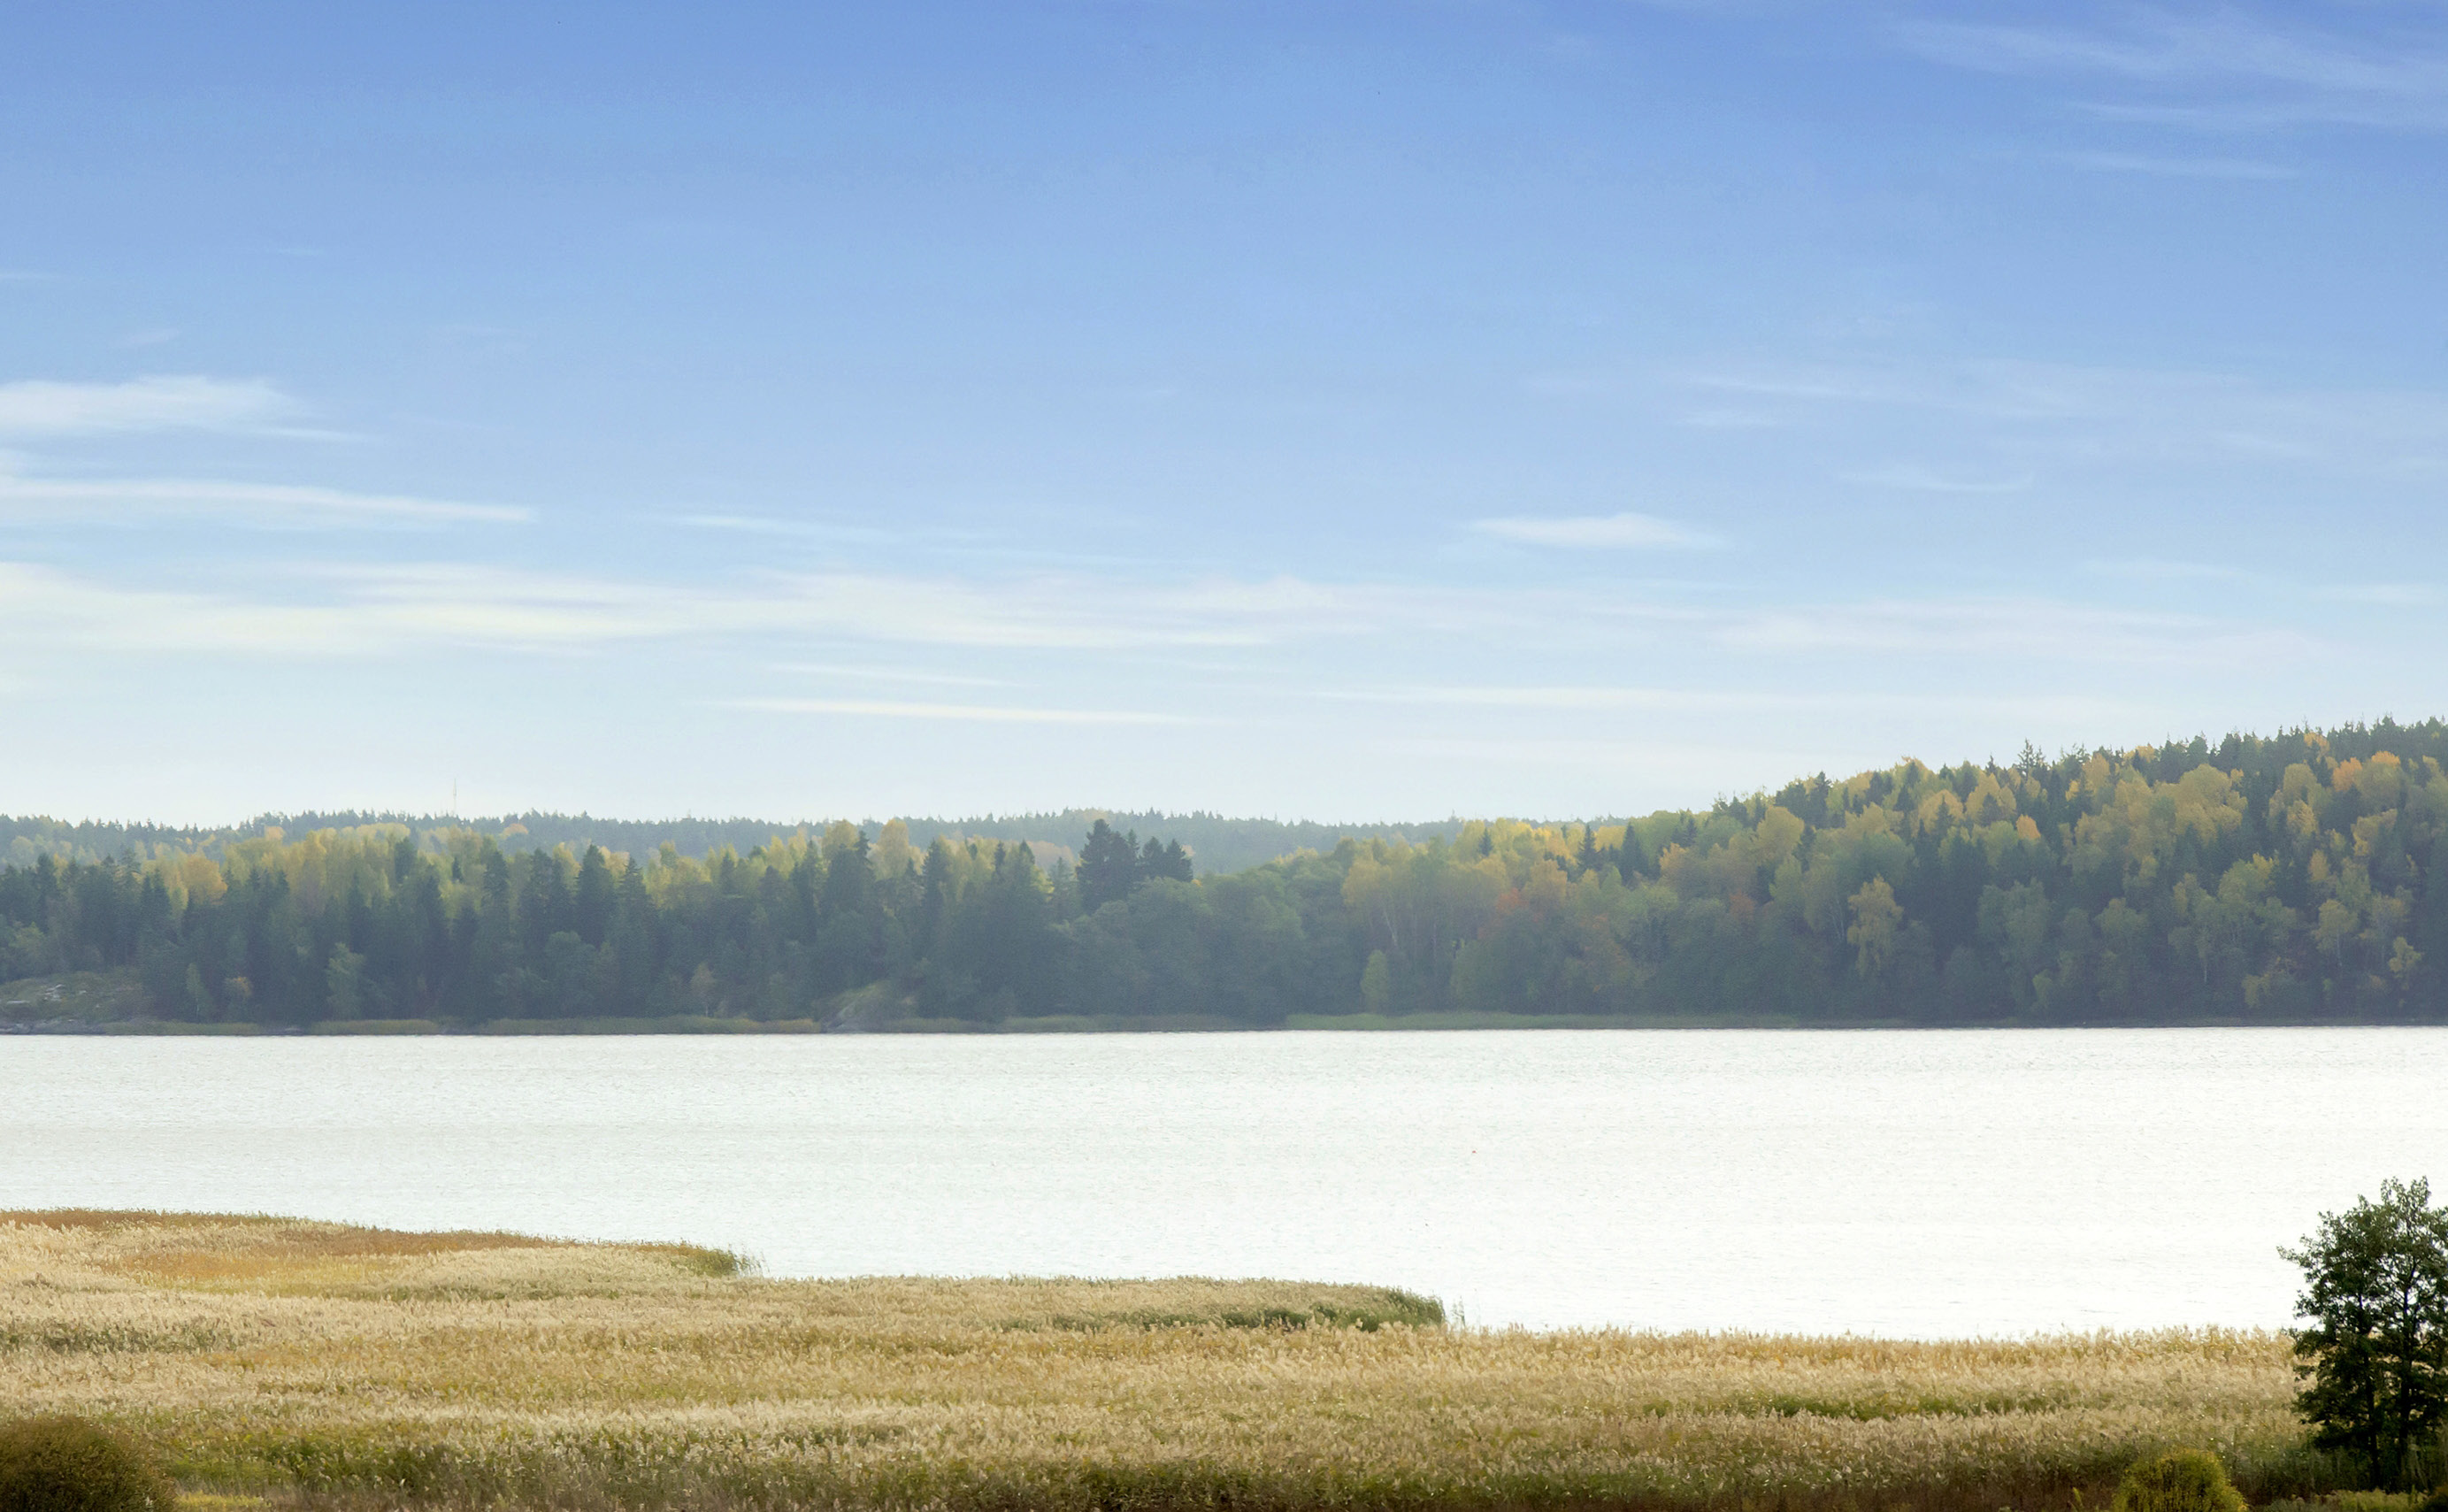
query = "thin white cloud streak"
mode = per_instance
[
  {"x": 2023, "y": 630},
  {"x": 761, "y": 524},
  {"x": 1916, "y": 479},
  {"x": 55, "y": 501},
  {"x": 2090, "y": 415},
  {"x": 375, "y": 609},
  {"x": 2223, "y": 70},
  {"x": 1579, "y": 699},
  {"x": 1079, "y": 613},
  {"x": 2385, "y": 595},
  {"x": 41, "y": 407},
  {"x": 408, "y": 611},
  {"x": 944, "y": 538},
  {"x": 42, "y": 607},
  {"x": 2152, "y": 570},
  {"x": 883, "y": 709},
  {"x": 1625, "y": 531},
  {"x": 1641, "y": 763},
  {"x": 878, "y": 674},
  {"x": 2242, "y": 170},
  {"x": 1604, "y": 699}
]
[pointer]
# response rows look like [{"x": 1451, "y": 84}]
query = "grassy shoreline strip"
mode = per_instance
[{"x": 360, "y": 1368}]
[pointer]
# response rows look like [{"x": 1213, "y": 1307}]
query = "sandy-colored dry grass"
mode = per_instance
[{"x": 357, "y": 1366}]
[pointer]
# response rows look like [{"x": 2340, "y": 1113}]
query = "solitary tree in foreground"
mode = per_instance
[{"x": 2376, "y": 1356}]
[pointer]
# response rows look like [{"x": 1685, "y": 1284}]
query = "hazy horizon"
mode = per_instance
[{"x": 785, "y": 822}]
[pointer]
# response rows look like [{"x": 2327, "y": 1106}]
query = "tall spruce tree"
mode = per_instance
[
  {"x": 1108, "y": 867},
  {"x": 591, "y": 905}
]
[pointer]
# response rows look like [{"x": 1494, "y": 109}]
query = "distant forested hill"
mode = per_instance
[
  {"x": 2297, "y": 879},
  {"x": 1216, "y": 843}
]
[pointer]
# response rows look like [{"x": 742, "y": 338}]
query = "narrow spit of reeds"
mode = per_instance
[{"x": 358, "y": 1367}]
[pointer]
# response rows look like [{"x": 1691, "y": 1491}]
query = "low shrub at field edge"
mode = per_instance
[
  {"x": 56, "y": 1463},
  {"x": 2179, "y": 1481}
]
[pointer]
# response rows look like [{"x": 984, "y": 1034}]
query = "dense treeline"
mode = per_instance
[
  {"x": 2303, "y": 878},
  {"x": 1216, "y": 844}
]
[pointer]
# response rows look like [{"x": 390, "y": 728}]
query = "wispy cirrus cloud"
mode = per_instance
[
  {"x": 2240, "y": 169},
  {"x": 1603, "y": 700},
  {"x": 42, "y": 410},
  {"x": 2020, "y": 414},
  {"x": 2384, "y": 595},
  {"x": 1583, "y": 699},
  {"x": 56, "y": 501},
  {"x": 2167, "y": 573},
  {"x": 892, "y": 674},
  {"x": 2016, "y": 629},
  {"x": 2159, "y": 569},
  {"x": 46, "y": 408},
  {"x": 1605, "y": 533},
  {"x": 1915, "y": 478},
  {"x": 59, "y": 611},
  {"x": 319, "y": 611},
  {"x": 1072, "y": 611},
  {"x": 959, "y": 712},
  {"x": 327, "y": 613},
  {"x": 804, "y": 530},
  {"x": 837, "y": 532},
  {"x": 326, "y": 610},
  {"x": 2226, "y": 67}
]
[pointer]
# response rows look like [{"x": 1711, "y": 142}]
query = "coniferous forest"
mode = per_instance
[{"x": 2292, "y": 879}]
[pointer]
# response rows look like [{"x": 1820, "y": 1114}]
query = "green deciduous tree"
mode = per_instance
[
  {"x": 1377, "y": 984},
  {"x": 2375, "y": 1359},
  {"x": 1872, "y": 934},
  {"x": 344, "y": 984}
]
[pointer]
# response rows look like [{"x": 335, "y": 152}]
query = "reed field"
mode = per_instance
[{"x": 324, "y": 1365}]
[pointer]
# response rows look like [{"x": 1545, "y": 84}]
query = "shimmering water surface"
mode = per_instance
[{"x": 1903, "y": 1183}]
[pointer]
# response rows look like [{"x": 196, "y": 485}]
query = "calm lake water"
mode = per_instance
[{"x": 1899, "y": 1183}]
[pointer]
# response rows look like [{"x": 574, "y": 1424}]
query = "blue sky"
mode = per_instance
[{"x": 1333, "y": 410}]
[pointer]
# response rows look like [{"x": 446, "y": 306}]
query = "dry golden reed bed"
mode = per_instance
[{"x": 352, "y": 1367}]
